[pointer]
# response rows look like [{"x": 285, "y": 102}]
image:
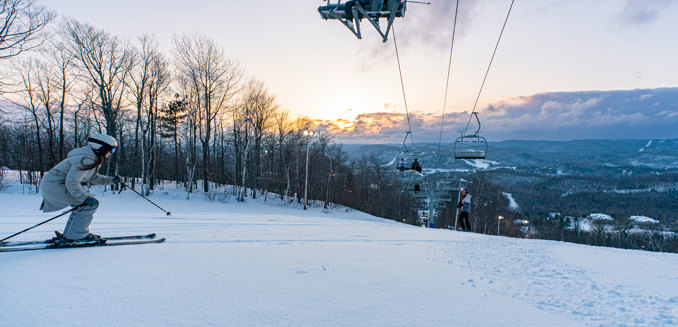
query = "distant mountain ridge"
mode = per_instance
[{"x": 639, "y": 156}]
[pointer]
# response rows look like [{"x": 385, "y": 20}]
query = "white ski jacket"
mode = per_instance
[
  {"x": 62, "y": 185},
  {"x": 466, "y": 203}
]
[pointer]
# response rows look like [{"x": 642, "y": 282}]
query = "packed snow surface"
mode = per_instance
[{"x": 266, "y": 263}]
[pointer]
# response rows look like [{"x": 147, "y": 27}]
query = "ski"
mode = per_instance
[
  {"x": 50, "y": 241},
  {"x": 80, "y": 245}
]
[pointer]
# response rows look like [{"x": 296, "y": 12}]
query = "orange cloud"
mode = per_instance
[
  {"x": 647, "y": 113},
  {"x": 390, "y": 127}
]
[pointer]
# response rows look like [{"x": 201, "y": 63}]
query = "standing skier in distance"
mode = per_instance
[
  {"x": 465, "y": 205},
  {"x": 62, "y": 186}
]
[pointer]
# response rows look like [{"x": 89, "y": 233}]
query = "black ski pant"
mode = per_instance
[{"x": 464, "y": 224}]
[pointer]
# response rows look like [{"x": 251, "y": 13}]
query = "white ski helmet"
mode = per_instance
[{"x": 102, "y": 143}]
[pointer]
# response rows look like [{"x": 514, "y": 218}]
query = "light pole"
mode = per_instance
[
  {"x": 308, "y": 135},
  {"x": 499, "y": 218}
]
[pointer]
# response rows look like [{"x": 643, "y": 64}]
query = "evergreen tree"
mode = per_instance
[{"x": 171, "y": 118}]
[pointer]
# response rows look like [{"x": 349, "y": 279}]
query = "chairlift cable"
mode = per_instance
[
  {"x": 402, "y": 86},
  {"x": 488, "y": 68},
  {"x": 447, "y": 83}
]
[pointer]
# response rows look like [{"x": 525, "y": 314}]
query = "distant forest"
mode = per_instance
[{"x": 553, "y": 204}]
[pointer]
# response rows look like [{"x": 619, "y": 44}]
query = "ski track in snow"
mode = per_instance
[
  {"x": 558, "y": 280},
  {"x": 264, "y": 264}
]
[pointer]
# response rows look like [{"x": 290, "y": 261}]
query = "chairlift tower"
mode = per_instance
[{"x": 351, "y": 13}]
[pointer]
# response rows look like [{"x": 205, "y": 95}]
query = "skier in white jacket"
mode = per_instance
[
  {"x": 62, "y": 186},
  {"x": 465, "y": 205}
]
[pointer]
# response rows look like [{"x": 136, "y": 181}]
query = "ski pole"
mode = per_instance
[
  {"x": 147, "y": 199},
  {"x": 44, "y": 222}
]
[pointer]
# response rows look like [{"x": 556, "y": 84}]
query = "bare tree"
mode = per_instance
[
  {"x": 26, "y": 72},
  {"x": 242, "y": 129},
  {"x": 284, "y": 156},
  {"x": 83, "y": 99},
  {"x": 45, "y": 91},
  {"x": 65, "y": 77},
  {"x": 212, "y": 81},
  {"x": 21, "y": 24},
  {"x": 259, "y": 106},
  {"x": 106, "y": 62},
  {"x": 139, "y": 82},
  {"x": 158, "y": 83},
  {"x": 149, "y": 80}
]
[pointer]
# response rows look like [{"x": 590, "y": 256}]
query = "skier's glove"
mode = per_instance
[{"x": 117, "y": 180}]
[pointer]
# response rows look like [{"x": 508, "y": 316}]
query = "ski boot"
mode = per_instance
[{"x": 91, "y": 239}]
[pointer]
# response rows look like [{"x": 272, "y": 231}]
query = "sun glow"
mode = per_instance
[{"x": 344, "y": 125}]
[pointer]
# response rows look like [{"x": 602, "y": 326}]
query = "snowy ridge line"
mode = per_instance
[{"x": 625, "y": 191}]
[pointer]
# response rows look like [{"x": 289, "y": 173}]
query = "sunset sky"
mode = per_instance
[{"x": 318, "y": 69}]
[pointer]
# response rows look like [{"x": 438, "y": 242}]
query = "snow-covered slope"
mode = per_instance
[{"x": 264, "y": 264}]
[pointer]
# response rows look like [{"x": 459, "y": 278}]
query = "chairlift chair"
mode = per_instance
[
  {"x": 409, "y": 155},
  {"x": 450, "y": 188},
  {"x": 352, "y": 12},
  {"x": 471, "y": 146},
  {"x": 446, "y": 197}
]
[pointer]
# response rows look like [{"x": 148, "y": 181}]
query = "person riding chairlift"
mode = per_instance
[
  {"x": 401, "y": 165},
  {"x": 416, "y": 166}
]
